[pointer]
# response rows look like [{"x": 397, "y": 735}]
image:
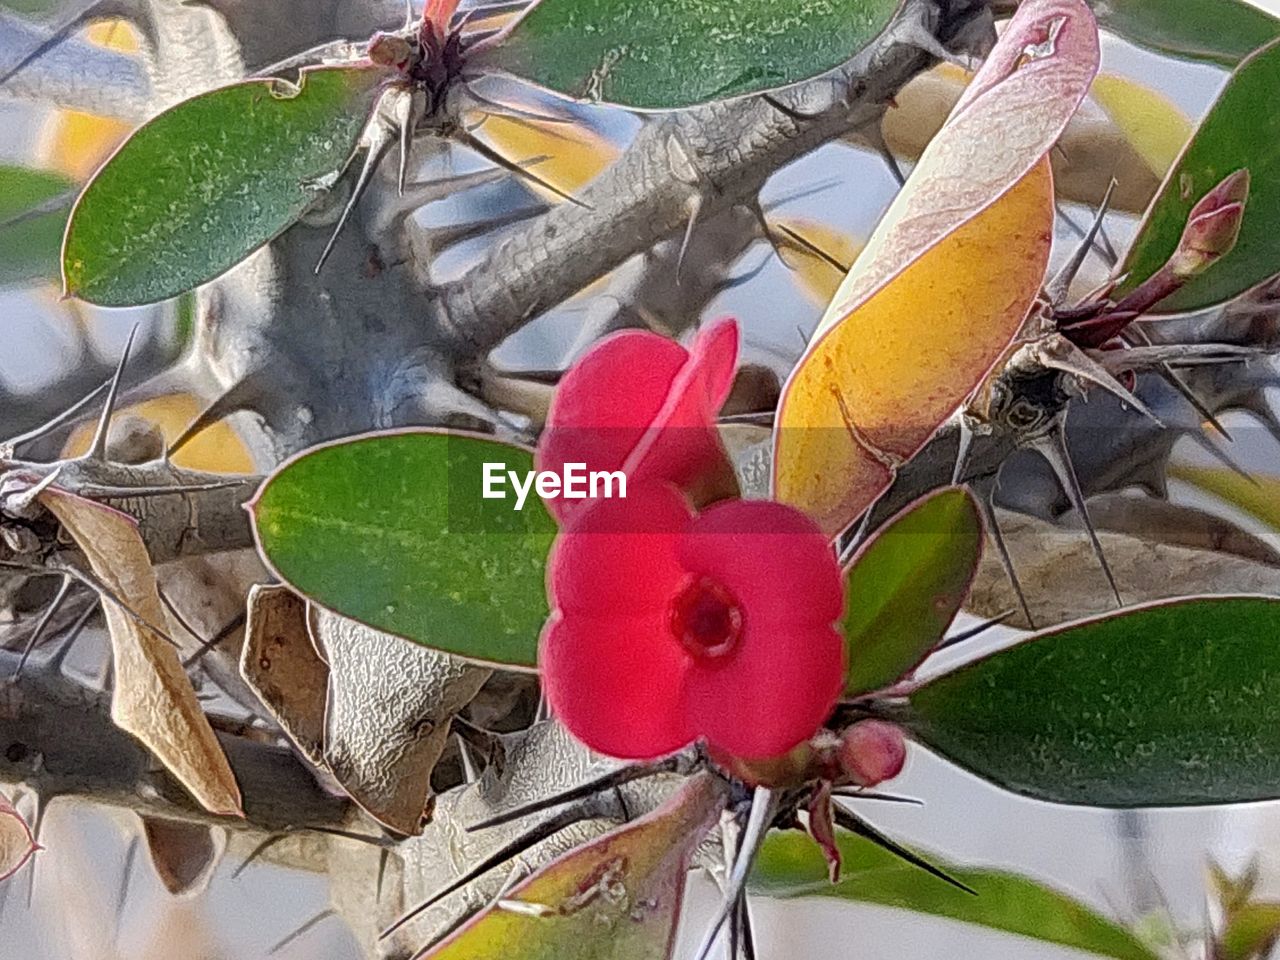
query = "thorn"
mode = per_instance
[
  {"x": 873, "y": 130},
  {"x": 126, "y": 878},
  {"x": 378, "y": 136},
  {"x": 473, "y": 142},
  {"x": 964, "y": 448},
  {"x": 1056, "y": 289},
  {"x": 407, "y": 119},
  {"x": 319, "y": 918},
  {"x": 470, "y": 769},
  {"x": 748, "y": 934},
  {"x": 1053, "y": 447},
  {"x": 1056, "y": 352},
  {"x": 855, "y": 824},
  {"x": 59, "y": 34},
  {"x": 241, "y": 395},
  {"x": 1102, "y": 246},
  {"x": 608, "y": 781},
  {"x": 512, "y": 112},
  {"x": 98, "y": 448},
  {"x": 514, "y": 877},
  {"x": 974, "y": 631},
  {"x": 799, "y": 116},
  {"x": 1180, "y": 386},
  {"x": 53, "y": 424},
  {"x": 858, "y": 793},
  {"x": 535, "y": 835},
  {"x": 55, "y": 662},
  {"x": 804, "y": 243},
  {"x": 1220, "y": 455},
  {"x": 102, "y": 491},
  {"x": 764, "y": 804},
  {"x": 408, "y": 14},
  {"x": 59, "y": 598},
  {"x": 984, "y": 489},
  {"x": 232, "y": 625},
  {"x": 1179, "y": 354},
  {"x": 384, "y": 857},
  {"x": 693, "y": 206},
  {"x": 257, "y": 852}
]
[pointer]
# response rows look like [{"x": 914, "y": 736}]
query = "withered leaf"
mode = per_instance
[
  {"x": 281, "y": 666},
  {"x": 152, "y": 699},
  {"x": 387, "y": 715}
]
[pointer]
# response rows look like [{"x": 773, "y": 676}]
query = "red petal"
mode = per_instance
[
  {"x": 683, "y": 444},
  {"x": 771, "y": 694},
  {"x": 772, "y": 557},
  {"x": 616, "y": 684},
  {"x": 618, "y": 558},
  {"x": 605, "y": 402}
]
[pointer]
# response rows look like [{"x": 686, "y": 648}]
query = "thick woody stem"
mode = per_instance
[{"x": 719, "y": 154}]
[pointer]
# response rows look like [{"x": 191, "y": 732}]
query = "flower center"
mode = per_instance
[{"x": 705, "y": 617}]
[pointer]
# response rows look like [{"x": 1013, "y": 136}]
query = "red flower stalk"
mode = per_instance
[
  {"x": 640, "y": 403},
  {"x": 668, "y": 627}
]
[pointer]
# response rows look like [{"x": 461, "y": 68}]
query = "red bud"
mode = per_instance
[{"x": 872, "y": 751}]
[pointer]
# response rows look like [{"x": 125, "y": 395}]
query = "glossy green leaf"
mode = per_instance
[
  {"x": 1234, "y": 135},
  {"x": 906, "y": 585},
  {"x": 1172, "y": 704},
  {"x": 660, "y": 56},
  {"x": 32, "y": 218},
  {"x": 1220, "y": 31},
  {"x": 197, "y": 189},
  {"x": 791, "y": 864},
  {"x": 391, "y": 529},
  {"x": 616, "y": 898}
]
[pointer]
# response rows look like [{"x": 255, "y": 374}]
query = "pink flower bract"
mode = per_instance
[
  {"x": 643, "y": 404},
  {"x": 668, "y": 626}
]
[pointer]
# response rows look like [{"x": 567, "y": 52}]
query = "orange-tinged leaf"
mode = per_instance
[
  {"x": 216, "y": 449},
  {"x": 617, "y": 898},
  {"x": 872, "y": 391},
  {"x": 946, "y": 280},
  {"x": 152, "y": 697},
  {"x": 568, "y": 155}
]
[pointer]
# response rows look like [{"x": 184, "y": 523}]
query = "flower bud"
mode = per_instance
[
  {"x": 1212, "y": 227},
  {"x": 390, "y": 50},
  {"x": 872, "y": 751}
]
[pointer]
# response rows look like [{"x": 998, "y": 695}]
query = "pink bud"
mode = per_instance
[
  {"x": 1212, "y": 227},
  {"x": 872, "y": 751}
]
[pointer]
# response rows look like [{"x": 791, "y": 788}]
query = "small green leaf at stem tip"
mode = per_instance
[
  {"x": 906, "y": 585},
  {"x": 1234, "y": 135},
  {"x": 390, "y": 529},
  {"x": 201, "y": 186},
  {"x": 31, "y": 223},
  {"x": 663, "y": 56},
  {"x": 791, "y": 865},
  {"x": 1172, "y": 704}
]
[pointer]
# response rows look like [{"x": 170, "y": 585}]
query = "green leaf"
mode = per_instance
[
  {"x": 791, "y": 864},
  {"x": 32, "y": 219},
  {"x": 1235, "y": 134},
  {"x": 1220, "y": 31},
  {"x": 616, "y": 898},
  {"x": 196, "y": 190},
  {"x": 906, "y": 585},
  {"x": 390, "y": 529},
  {"x": 1249, "y": 932},
  {"x": 1172, "y": 704},
  {"x": 660, "y": 56}
]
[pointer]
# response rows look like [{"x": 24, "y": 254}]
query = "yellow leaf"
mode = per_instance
[
  {"x": 76, "y": 143},
  {"x": 817, "y": 276},
  {"x": 152, "y": 698},
  {"x": 1156, "y": 128},
  {"x": 572, "y": 154},
  {"x": 216, "y": 449},
  {"x": 1260, "y": 499},
  {"x": 873, "y": 389}
]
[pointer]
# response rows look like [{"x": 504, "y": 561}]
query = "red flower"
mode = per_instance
[
  {"x": 643, "y": 404},
  {"x": 669, "y": 626}
]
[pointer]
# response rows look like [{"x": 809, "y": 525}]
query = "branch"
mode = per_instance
[
  {"x": 57, "y": 737},
  {"x": 718, "y": 155}
]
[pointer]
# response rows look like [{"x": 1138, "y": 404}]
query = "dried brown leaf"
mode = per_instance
[
  {"x": 184, "y": 855},
  {"x": 17, "y": 845},
  {"x": 152, "y": 699}
]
